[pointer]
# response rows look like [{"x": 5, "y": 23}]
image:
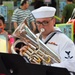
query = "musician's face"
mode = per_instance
[{"x": 46, "y": 23}]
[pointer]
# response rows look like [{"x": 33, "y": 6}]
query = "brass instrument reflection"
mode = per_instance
[{"x": 32, "y": 47}]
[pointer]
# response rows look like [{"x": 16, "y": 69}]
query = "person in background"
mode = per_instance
[
  {"x": 53, "y": 3},
  {"x": 2, "y": 25},
  {"x": 21, "y": 13},
  {"x": 67, "y": 11},
  {"x": 37, "y": 4},
  {"x": 4, "y": 32},
  {"x": 58, "y": 42}
]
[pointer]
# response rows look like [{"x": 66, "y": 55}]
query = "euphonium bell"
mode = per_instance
[{"x": 35, "y": 50}]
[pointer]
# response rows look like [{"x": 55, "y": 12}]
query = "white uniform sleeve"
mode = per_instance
[{"x": 67, "y": 54}]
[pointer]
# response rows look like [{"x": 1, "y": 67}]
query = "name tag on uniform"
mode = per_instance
[{"x": 53, "y": 43}]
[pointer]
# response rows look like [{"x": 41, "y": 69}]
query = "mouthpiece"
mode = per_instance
[{"x": 42, "y": 30}]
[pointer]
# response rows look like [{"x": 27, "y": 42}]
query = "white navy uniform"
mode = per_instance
[
  {"x": 65, "y": 49},
  {"x": 59, "y": 43}
]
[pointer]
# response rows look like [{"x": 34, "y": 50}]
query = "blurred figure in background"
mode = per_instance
[
  {"x": 2, "y": 31},
  {"x": 21, "y": 13},
  {"x": 2, "y": 25},
  {"x": 53, "y": 3},
  {"x": 67, "y": 11},
  {"x": 37, "y": 4}
]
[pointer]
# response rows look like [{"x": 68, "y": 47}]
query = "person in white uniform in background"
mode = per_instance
[{"x": 58, "y": 42}]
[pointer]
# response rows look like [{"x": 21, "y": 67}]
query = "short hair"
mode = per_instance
[
  {"x": 2, "y": 18},
  {"x": 23, "y": 2}
]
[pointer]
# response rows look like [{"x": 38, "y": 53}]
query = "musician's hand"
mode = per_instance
[{"x": 23, "y": 50}]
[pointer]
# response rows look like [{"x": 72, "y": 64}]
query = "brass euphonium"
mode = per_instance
[{"x": 35, "y": 50}]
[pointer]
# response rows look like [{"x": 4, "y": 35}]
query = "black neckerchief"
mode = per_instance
[{"x": 52, "y": 35}]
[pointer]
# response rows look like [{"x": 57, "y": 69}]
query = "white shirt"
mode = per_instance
[{"x": 65, "y": 48}]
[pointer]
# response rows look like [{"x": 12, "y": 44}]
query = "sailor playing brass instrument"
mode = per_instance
[
  {"x": 30, "y": 46},
  {"x": 59, "y": 49},
  {"x": 37, "y": 56},
  {"x": 54, "y": 38}
]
